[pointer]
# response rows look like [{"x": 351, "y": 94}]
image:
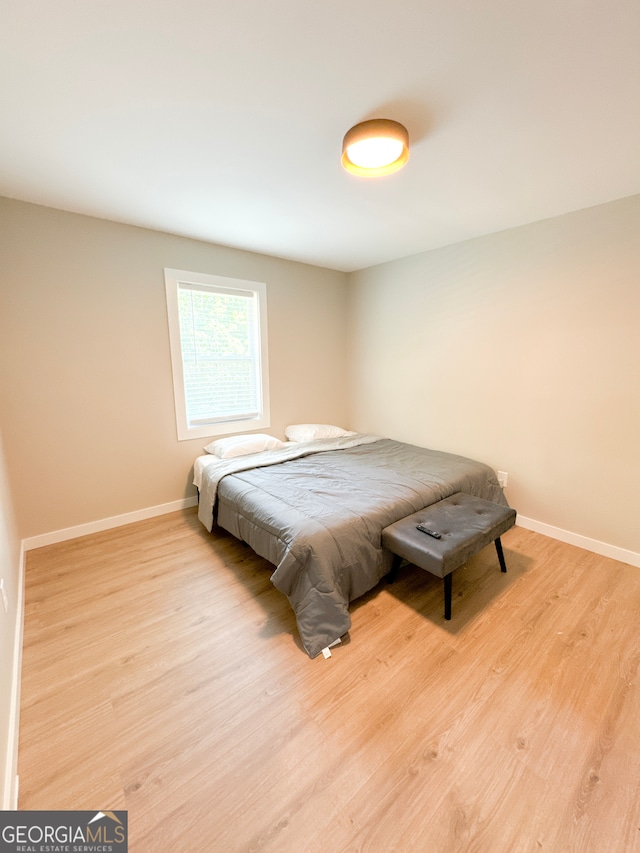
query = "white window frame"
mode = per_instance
[{"x": 173, "y": 280}]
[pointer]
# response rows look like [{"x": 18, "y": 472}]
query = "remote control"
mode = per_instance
[{"x": 424, "y": 529}]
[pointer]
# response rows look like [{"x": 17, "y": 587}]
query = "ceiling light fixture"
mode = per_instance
[{"x": 375, "y": 147}]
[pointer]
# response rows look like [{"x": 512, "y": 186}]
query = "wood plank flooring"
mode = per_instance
[{"x": 162, "y": 674}]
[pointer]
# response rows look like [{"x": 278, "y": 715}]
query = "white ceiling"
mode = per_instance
[{"x": 224, "y": 121}]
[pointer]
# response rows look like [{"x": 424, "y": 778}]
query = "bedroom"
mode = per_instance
[{"x": 522, "y": 351}]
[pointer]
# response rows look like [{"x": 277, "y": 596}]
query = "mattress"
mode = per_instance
[{"x": 316, "y": 512}]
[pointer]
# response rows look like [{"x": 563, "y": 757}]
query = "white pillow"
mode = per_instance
[
  {"x": 310, "y": 432},
  {"x": 242, "y": 445}
]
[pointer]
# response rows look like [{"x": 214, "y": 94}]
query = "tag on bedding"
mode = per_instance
[{"x": 326, "y": 652}]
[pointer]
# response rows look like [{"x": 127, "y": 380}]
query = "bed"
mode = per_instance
[{"x": 316, "y": 509}]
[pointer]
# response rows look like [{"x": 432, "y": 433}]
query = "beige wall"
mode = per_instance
[
  {"x": 86, "y": 399},
  {"x": 9, "y": 644},
  {"x": 521, "y": 349}
]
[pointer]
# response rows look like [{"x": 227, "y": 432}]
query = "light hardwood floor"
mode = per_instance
[{"x": 162, "y": 674}]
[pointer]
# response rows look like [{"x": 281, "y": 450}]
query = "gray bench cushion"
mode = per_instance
[{"x": 466, "y": 523}]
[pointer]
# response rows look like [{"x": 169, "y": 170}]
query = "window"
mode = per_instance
[{"x": 218, "y": 338}]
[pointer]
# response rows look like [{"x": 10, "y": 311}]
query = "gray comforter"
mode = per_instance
[{"x": 318, "y": 517}]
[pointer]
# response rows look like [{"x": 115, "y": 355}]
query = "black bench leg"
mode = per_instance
[
  {"x": 447, "y": 596},
  {"x": 395, "y": 565},
  {"x": 503, "y": 565}
]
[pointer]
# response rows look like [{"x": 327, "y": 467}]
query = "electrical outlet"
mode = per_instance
[
  {"x": 503, "y": 478},
  {"x": 5, "y": 600}
]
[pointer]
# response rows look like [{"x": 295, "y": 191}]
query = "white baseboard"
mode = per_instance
[
  {"x": 602, "y": 548},
  {"x": 105, "y": 524},
  {"x": 10, "y": 785},
  {"x": 593, "y": 545}
]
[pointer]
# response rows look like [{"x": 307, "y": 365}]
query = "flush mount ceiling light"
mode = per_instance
[{"x": 375, "y": 147}]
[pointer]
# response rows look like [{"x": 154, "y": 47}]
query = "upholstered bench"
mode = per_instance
[{"x": 466, "y": 524}]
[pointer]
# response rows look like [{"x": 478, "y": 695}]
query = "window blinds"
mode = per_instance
[{"x": 220, "y": 342}]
